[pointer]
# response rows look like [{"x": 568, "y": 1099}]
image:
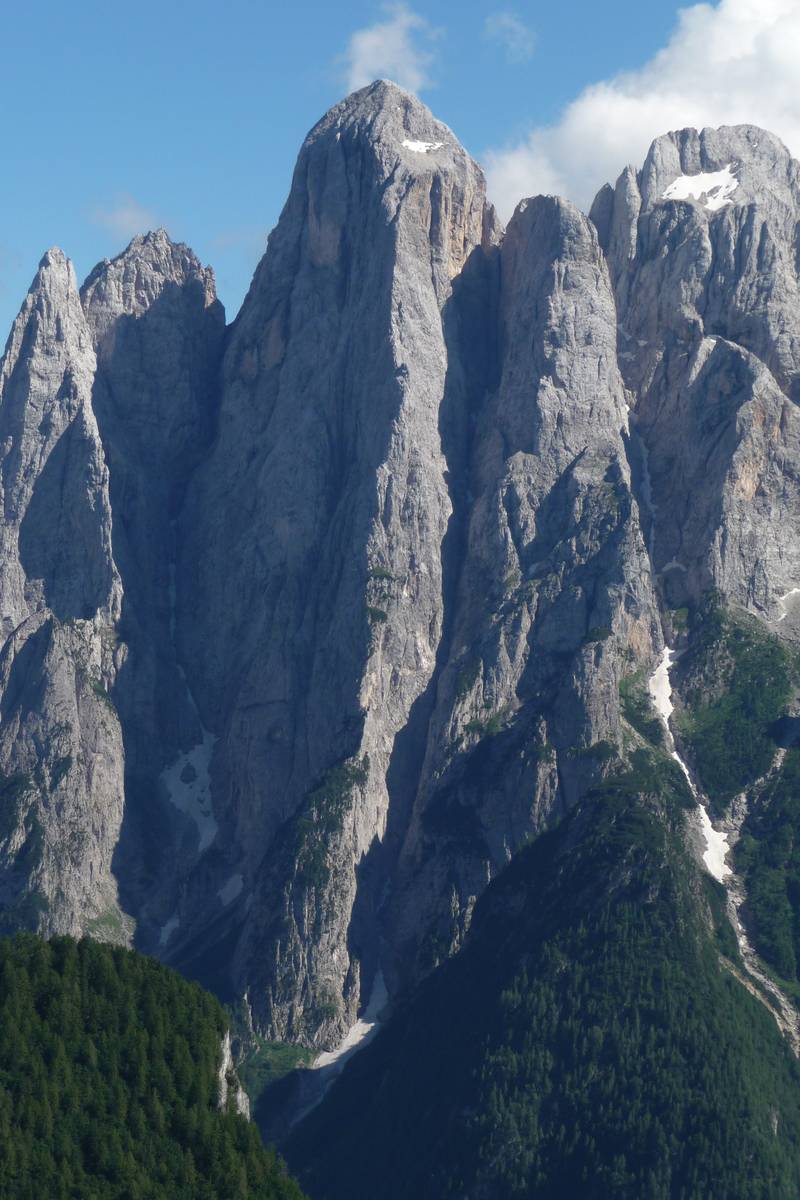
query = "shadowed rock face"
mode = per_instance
[
  {"x": 158, "y": 330},
  {"x": 106, "y": 404},
  {"x": 310, "y": 624}
]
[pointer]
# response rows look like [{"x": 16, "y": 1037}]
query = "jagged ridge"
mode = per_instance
[{"x": 355, "y": 584}]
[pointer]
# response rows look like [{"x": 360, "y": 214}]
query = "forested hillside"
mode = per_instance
[
  {"x": 109, "y": 1083},
  {"x": 590, "y": 1040}
]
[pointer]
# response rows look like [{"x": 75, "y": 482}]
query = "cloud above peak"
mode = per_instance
[
  {"x": 399, "y": 47},
  {"x": 735, "y": 62},
  {"x": 512, "y": 34},
  {"x": 125, "y": 216}
]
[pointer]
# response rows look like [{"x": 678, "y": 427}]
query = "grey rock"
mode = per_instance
[
  {"x": 105, "y": 407},
  {"x": 310, "y": 624},
  {"x": 231, "y": 1096},
  {"x": 56, "y": 522},
  {"x": 60, "y": 597},
  {"x": 709, "y": 338},
  {"x": 555, "y": 593},
  {"x": 314, "y": 531},
  {"x": 158, "y": 331}
]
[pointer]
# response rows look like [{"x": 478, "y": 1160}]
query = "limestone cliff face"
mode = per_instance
[
  {"x": 310, "y": 623},
  {"x": 231, "y": 1096},
  {"x": 158, "y": 330},
  {"x": 105, "y": 403},
  {"x": 60, "y": 597},
  {"x": 702, "y": 246},
  {"x": 555, "y": 595},
  {"x": 314, "y": 532},
  {"x": 56, "y": 520}
]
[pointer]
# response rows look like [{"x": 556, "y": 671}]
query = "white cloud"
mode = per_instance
[
  {"x": 725, "y": 64},
  {"x": 512, "y": 34},
  {"x": 125, "y": 217},
  {"x": 397, "y": 48},
  {"x": 250, "y": 238}
]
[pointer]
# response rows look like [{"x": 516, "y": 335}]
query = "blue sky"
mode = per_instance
[{"x": 117, "y": 117}]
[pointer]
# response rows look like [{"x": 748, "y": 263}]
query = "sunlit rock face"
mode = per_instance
[
  {"x": 311, "y": 622},
  {"x": 314, "y": 532},
  {"x": 702, "y": 247}
]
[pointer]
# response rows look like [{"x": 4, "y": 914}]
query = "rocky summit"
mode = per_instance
[{"x": 319, "y": 628}]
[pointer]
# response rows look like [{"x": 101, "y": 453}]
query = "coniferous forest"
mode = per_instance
[
  {"x": 400, "y": 669},
  {"x": 590, "y": 1040},
  {"x": 109, "y": 1066}
]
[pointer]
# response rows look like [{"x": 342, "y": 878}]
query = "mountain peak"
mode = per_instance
[
  {"x": 54, "y": 257},
  {"x": 55, "y": 274},
  {"x": 51, "y": 308},
  {"x": 731, "y": 165},
  {"x": 386, "y": 116},
  {"x": 132, "y": 280}
]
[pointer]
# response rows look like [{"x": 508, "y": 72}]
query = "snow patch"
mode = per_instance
[
  {"x": 782, "y": 601},
  {"x": 659, "y": 686},
  {"x": 660, "y": 689},
  {"x": 168, "y": 929},
  {"x": 422, "y": 147},
  {"x": 714, "y": 188},
  {"x": 188, "y": 784},
  {"x": 716, "y": 847},
  {"x": 360, "y": 1034},
  {"x": 231, "y": 889}
]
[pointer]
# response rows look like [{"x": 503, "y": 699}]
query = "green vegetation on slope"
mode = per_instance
[
  {"x": 586, "y": 1042},
  {"x": 638, "y": 710},
  {"x": 266, "y": 1063},
  {"x": 320, "y": 818},
  {"x": 768, "y": 858},
  {"x": 737, "y": 683},
  {"x": 109, "y": 1083}
]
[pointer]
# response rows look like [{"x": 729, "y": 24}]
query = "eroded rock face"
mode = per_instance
[
  {"x": 56, "y": 521},
  {"x": 308, "y": 625},
  {"x": 107, "y": 401},
  {"x": 157, "y": 328},
  {"x": 62, "y": 782},
  {"x": 555, "y": 592},
  {"x": 314, "y": 532},
  {"x": 707, "y": 292},
  {"x": 60, "y": 598},
  {"x": 158, "y": 331}
]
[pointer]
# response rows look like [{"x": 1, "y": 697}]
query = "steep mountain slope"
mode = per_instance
[
  {"x": 314, "y": 537},
  {"x": 60, "y": 740},
  {"x": 158, "y": 331},
  {"x": 312, "y": 624},
  {"x": 587, "y": 1041},
  {"x": 538, "y": 1061},
  {"x": 706, "y": 292},
  {"x": 113, "y": 1082},
  {"x": 555, "y": 590},
  {"x": 106, "y": 402}
]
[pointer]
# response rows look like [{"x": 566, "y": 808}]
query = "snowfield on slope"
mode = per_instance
[
  {"x": 660, "y": 690},
  {"x": 717, "y": 187},
  {"x": 188, "y": 784}
]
